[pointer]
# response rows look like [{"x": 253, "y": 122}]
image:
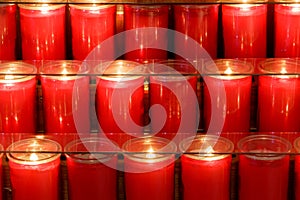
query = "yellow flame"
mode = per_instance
[
  {"x": 33, "y": 157},
  {"x": 228, "y": 71},
  {"x": 150, "y": 153}
]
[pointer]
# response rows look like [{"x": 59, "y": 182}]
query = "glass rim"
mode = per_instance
[
  {"x": 167, "y": 149},
  {"x": 16, "y": 71},
  {"x": 37, "y": 6},
  {"x": 297, "y": 144},
  {"x": 274, "y": 66},
  {"x": 264, "y": 155},
  {"x": 86, "y": 157},
  {"x": 49, "y": 155},
  {"x": 91, "y": 6},
  {"x": 213, "y": 154},
  {"x": 237, "y": 68}
]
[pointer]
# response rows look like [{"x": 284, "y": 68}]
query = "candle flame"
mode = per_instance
[
  {"x": 150, "y": 153},
  {"x": 8, "y": 77},
  {"x": 283, "y": 70},
  {"x": 228, "y": 71},
  {"x": 33, "y": 157}
]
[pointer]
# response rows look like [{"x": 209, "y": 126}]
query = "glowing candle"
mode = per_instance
[
  {"x": 18, "y": 98},
  {"x": 278, "y": 95},
  {"x": 120, "y": 100},
  {"x": 149, "y": 168},
  {"x": 43, "y": 31},
  {"x": 173, "y": 86},
  {"x": 143, "y": 45},
  {"x": 34, "y": 169},
  {"x": 230, "y": 93},
  {"x": 65, "y": 87},
  {"x": 264, "y": 171},
  {"x": 91, "y": 24},
  {"x": 91, "y": 175},
  {"x": 287, "y": 26},
  {"x": 203, "y": 173},
  {"x": 8, "y": 31},
  {"x": 200, "y": 22},
  {"x": 244, "y": 30}
]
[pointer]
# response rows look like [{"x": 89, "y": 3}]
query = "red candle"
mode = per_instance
[
  {"x": 287, "y": 25},
  {"x": 278, "y": 96},
  {"x": 8, "y": 32},
  {"x": 65, "y": 88},
  {"x": 297, "y": 169},
  {"x": 43, "y": 31},
  {"x": 264, "y": 172},
  {"x": 143, "y": 44},
  {"x": 18, "y": 98},
  {"x": 34, "y": 169},
  {"x": 199, "y": 22},
  {"x": 173, "y": 87},
  {"x": 203, "y": 173},
  {"x": 244, "y": 30},
  {"x": 1, "y": 171},
  {"x": 227, "y": 95},
  {"x": 91, "y": 175},
  {"x": 91, "y": 25},
  {"x": 119, "y": 100},
  {"x": 149, "y": 168}
]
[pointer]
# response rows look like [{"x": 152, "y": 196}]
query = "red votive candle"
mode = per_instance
[
  {"x": 66, "y": 98},
  {"x": 43, "y": 31},
  {"x": 8, "y": 31},
  {"x": 227, "y": 91},
  {"x": 1, "y": 171},
  {"x": 244, "y": 30},
  {"x": 18, "y": 98},
  {"x": 173, "y": 86},
  {"x": 263, "y": 167},
  {"x": 142, "y": 44},
  {"x": 287, "y": 35},
  {"x": 91, "y": 169},
  {"x": 205, "y": 167},
  {"x": 120, "y": 100},
  {"x": 34, "y": 169},
  {"x": 149, "y": 168},
  {"x": 199, "y": 22},
  {"x": 278, "y": 96},
  {"x": 91, "y": 24},
  {"x": 297, "y": 169}
]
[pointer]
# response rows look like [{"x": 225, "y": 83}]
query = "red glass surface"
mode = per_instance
[
  {"x": 287, "y": 27},
  {"x": 66, "y": 99},
  {"x": 43, "y": 32},
  {"x": 208, "y": 179},
  {"x": 120, "y": 103},
  {"x": 244, "y": 30},
  {"x": 200, "y": 22},
  {"x": 140, "y": 16},
  {"x": 91, "y": 25},
  {"x": 18, "y": 99},
  {"x": 8, "y": 31}
]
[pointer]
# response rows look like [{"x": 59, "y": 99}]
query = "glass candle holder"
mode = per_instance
[
  {"x": 120, "y": 100},
  {"x": 149, "y": 168},
  {"x": 263, "y": 167},
  {"x": 287, "y": 35},
  {"x": 8, "y": 31},
  {"x": 297, "y": 169},
  {"x": 244, "y": 30},
  {"x": 34, "y": 169},
  {"x": 278, "y": 96},
  {"x": 173, "y": 99},
  {"x": 199, "y": 22},
  {"x": 18, "y": 98},
  {"x": 91, "y": 169},
  {"x": 142, "y": 44},
  {"x": 227, "y": 95},
  {"x": 43, "y": 31},
  {"x": 66, "y": 98},
  {"x": 205, "y": 167},
  {"x": 92, "y": 24}
]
